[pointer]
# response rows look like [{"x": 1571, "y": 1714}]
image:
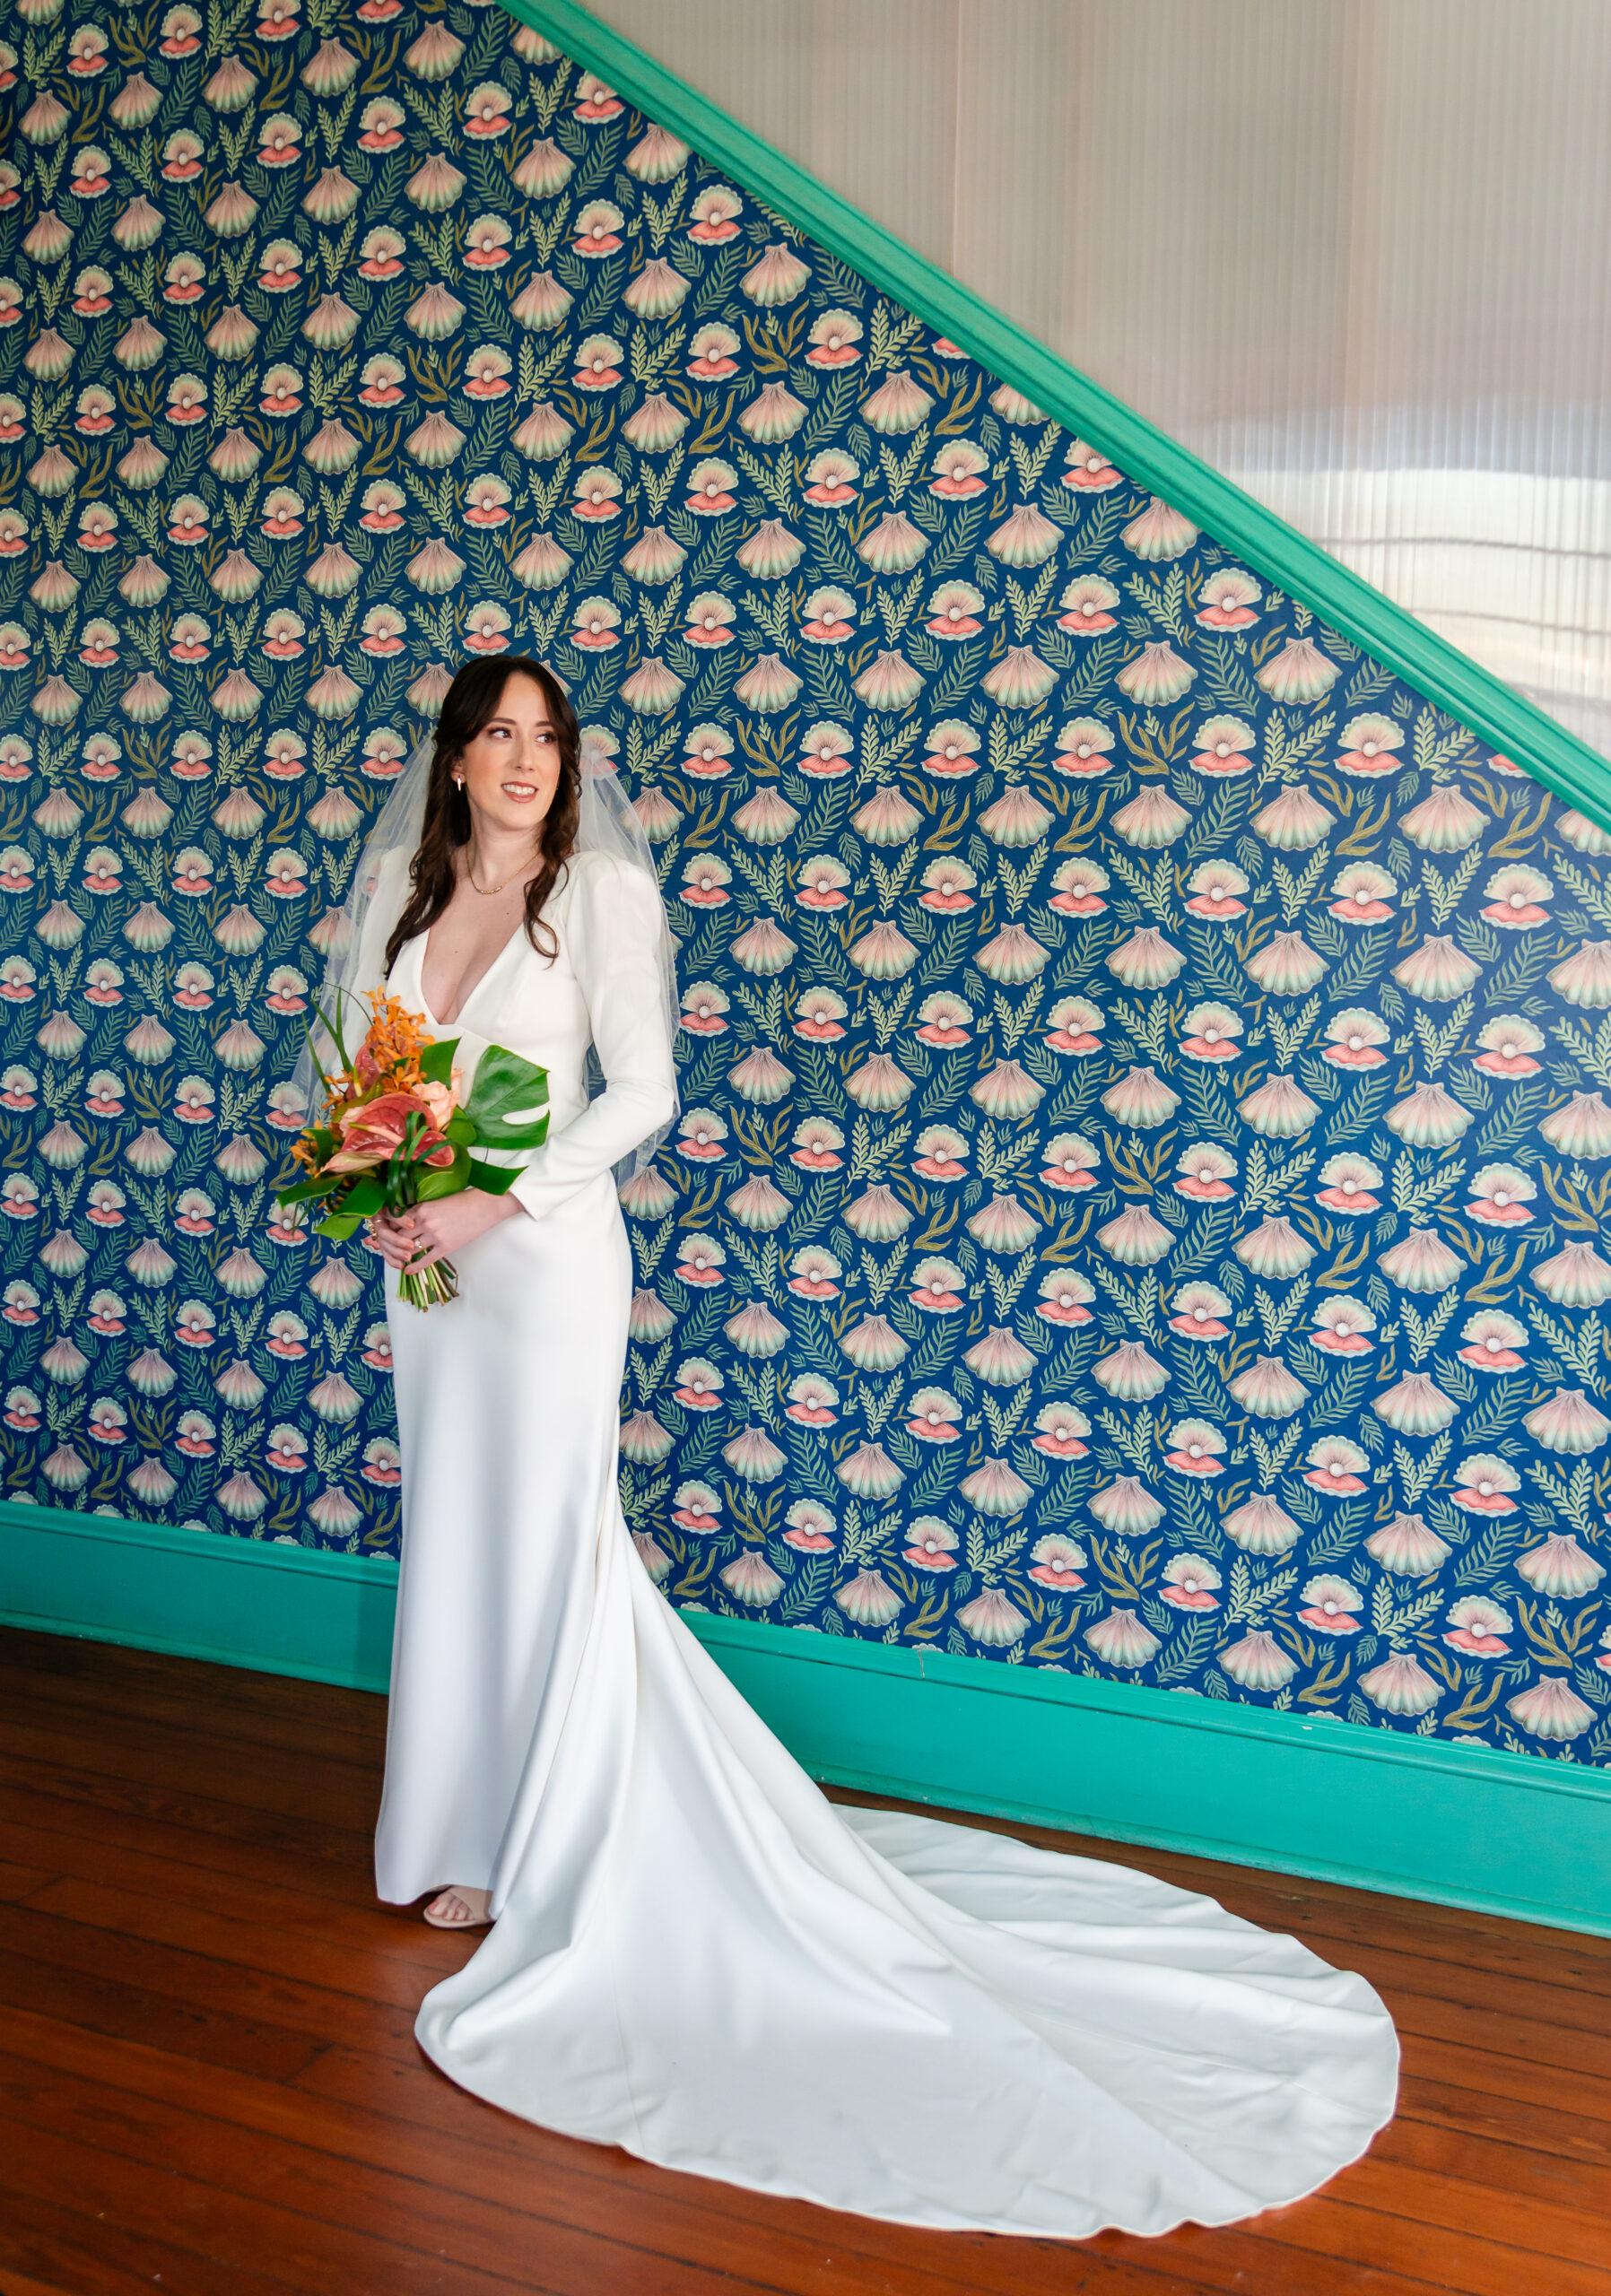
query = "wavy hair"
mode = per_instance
[{"x": 471, "y": 702}]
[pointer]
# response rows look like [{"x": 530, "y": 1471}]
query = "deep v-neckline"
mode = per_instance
[{"x": 477, "y": 986}]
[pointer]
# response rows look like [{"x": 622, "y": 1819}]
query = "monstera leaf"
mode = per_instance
[{"x": 508, "y": 1101}]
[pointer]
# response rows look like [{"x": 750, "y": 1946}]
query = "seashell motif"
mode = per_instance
[
  {"x": 995, "y": 1490},
  {"x": 1199, "y": 1312},
  {"x": 1420, "y": 1262},
  {"x": 1146, "y": 959},
  {"x": 1258, "y": 1662},
  {"x": 1560, "y": 1567},
  {"x": 1274, "y": 1248},
  {"x": 1269, "y": 1388},
  {"x": 1260, "y": 1526},
  {"x": 1298, "y": 672},
  {"x": 1158, "y": 533},
  {"x": 1130, "y": 1375},
  {"x": 1587, "y": 836},
  {"x": 868, "y": 1599},
  {"x": 1568, "y": 1423},
  {"x": 1401, "y": 1685},
  {"x": 1477, "y": 1626},
  {"x": 1279, "y": 1109},
  {"x": 1123, "y": 1640},
  {"x": 992, "y": 1618},
  {"x": 1286, "y": 966},
  {"x": 1348, "y": 1185},
  {"x": 1581, "y": 1128},
  {"x": 1003, "y": 1225},
  {"x": 1191, "y": 1583},
  {"x": 1576, "y": 1277},
  {"x": 1295, "y": 821},
  {"x": 1417, "y": 1406},
  {"x": 1152, "y": 820},
  {"x": 1156, "y": 676},
  {"x": 1483, "y": 1484},
  {"x": 1135, "y": 1239},
  {"x": 1141, "y": 1099},
  {"x": 1335, "y": 1467},
  {"x": 1125, "y": 1507},
  {"x": 1438, "y": 971},
  {"x": 1028, "y": 538},
  {"x": 1584, "y": 977},
  {"x": 1057, "y": 1561},
  {"x": 1408, "y": 1547},
  {"x": 898, "y": 405},
  {"x": 1428, "y": 1118},
  {"x": 1493, "y": 1342},
  {"x": 1000, "y": 1357},
  {"x": 1550, "y": 1709},
  {"x": 1331, "y": 1604},
  {"x": 1017, "y": 819},
  {"x": 1195, "y": 1448},
  {"x": 1445, "y": 822},
  {"x": 1020, "y": 679}
]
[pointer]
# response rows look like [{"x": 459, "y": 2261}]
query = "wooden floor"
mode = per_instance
[{"x": 209, "y": 2082}]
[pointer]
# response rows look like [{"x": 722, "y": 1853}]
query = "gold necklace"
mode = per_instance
[{"x": 487, "y": 893}]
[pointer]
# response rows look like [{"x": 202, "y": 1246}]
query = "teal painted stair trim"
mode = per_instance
[
  {"x": 1377, "y": 1809},
  {"x": 1277, "y": 551}
]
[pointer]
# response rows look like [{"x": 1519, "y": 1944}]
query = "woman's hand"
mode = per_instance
[{"x": 432, "y": 1231}]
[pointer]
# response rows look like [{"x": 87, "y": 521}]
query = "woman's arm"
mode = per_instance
[{"x": 612, "y": 927}]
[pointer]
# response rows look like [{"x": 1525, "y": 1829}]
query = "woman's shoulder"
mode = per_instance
[{"x": 593, "y": 870}]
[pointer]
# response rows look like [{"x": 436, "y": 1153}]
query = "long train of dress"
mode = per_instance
[{"x": 696, "y": 1956}]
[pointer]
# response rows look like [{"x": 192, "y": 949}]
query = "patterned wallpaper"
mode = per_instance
[{"x": 1137, "y": 1209}]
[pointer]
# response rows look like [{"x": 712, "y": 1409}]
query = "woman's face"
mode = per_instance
[{"x": 511, "y": 768}]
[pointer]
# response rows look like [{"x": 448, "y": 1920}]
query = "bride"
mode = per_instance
[{"x": 693, "y": 1954}]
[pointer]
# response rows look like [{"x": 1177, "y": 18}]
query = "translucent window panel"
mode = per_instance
[{"x": 1355, "y": 253}]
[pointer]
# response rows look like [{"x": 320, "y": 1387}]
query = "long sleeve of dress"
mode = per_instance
[{"x": 613, "y": 924}]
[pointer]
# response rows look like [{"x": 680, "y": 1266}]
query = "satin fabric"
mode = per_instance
[{"x": 696, "y": 1956}]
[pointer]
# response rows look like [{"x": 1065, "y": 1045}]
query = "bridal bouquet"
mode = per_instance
[{"x": 397, "y": 1131}]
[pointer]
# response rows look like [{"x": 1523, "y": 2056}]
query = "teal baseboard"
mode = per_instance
[{"x": 1377, "y": 1809}]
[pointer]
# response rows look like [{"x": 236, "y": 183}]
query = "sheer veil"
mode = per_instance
[{"x": 355, "y": 935}]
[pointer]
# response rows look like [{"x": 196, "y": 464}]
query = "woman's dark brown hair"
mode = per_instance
[{"x": 471, "y": 703}]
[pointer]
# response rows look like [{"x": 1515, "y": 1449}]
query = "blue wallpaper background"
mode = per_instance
[{"x": 1138, "y": 1204}]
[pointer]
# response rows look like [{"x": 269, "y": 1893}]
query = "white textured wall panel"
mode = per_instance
[{"x": 1357, "y": 253}]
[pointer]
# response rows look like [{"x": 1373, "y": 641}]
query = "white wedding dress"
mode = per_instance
[{"x": 696, "y": 1956}]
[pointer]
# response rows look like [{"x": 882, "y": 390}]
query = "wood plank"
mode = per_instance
[
  {"x": 89, "y": 2255},
  {"x": 376, "y": 1952},
  {"x": 1556, "y": 2131},
  {"x": 1544, "y": 2181},
  {"x": 185, "y": 1759},
  {"x": 115, "y": 2010},
  {"x": 18, "y": 1881},
  {"x": 237, "y": 2233},
  {"x": 1465, "y": 2064},
  {"x": 589, "y": 2187},
  {"x": 1334, "y": 2234},
  {"x": 237, "y": 1713},
  {"x": 1502, "y": 2220},
  {"x": 118, "y": 1668},
  {"x": 18, "y": 2284},
  {"x": 133, "y": 1797},
  {"x": 69, "y": 1839},
  {"x": 191, "y": 1982}
]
